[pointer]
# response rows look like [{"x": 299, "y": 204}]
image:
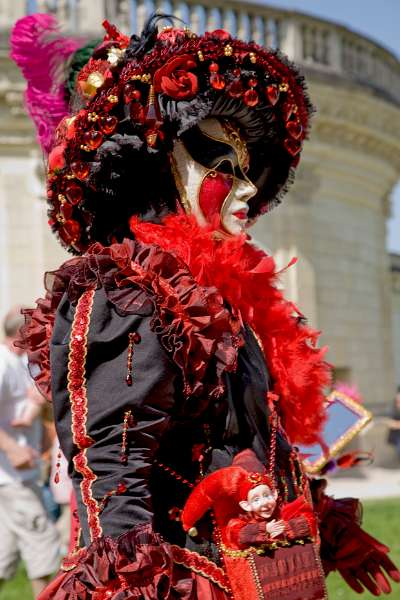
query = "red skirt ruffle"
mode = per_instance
[{"x": 138, "y": 565}]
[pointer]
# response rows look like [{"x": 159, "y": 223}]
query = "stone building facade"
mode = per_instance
[{"x": 334, "y": 219}]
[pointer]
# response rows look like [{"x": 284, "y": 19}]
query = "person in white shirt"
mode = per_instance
[{"x": 25, "y": 529}]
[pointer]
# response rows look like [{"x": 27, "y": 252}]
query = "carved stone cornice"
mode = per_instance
[
  {"x": 344, "y": 135},
  {"x": 357, "y": 106},
  {"x": 357, "y": 121}
]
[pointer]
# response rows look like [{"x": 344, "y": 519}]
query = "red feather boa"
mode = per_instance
[{"x": 246, "y": 278}]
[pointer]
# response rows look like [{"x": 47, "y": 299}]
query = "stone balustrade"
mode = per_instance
[{"x": 317, "y": 44}]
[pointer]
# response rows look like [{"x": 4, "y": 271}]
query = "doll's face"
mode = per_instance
[
  {"x": 261, "y": 501},
  {"x": 210, "y": 172}
]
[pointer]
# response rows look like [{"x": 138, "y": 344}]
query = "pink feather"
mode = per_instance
[
  {"x": 350, "y": 390},
  {"x": 41, "y": 51}
]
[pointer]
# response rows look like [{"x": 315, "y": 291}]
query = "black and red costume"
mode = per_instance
[
  {"x": 199, "y": 377},
  {"x": 164, "y": 347}
]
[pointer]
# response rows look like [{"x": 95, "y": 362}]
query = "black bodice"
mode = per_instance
[{"x": 167, "y": 433}]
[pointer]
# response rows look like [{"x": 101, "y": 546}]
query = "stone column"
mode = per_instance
[
  {"x": 335, "y": 51},
  {"x": 291, "y": 38},
  {"x": 91, "y": 14}
]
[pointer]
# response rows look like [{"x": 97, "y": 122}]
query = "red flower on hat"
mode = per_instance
[
  {"x": 92, "y": 77},
  {"x": 57, "y": 158},
  {"x": 175, "y": 78},
  {"x": 171, "y": 35},
  {"x": 218, "y": 34}
]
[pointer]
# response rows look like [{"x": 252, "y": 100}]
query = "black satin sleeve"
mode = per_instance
[{"x": 150, "y": 400}]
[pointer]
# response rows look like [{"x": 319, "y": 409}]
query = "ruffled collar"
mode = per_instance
[
  {"x": 246, "y": 277},
  {"x": 191, "y": 321}
]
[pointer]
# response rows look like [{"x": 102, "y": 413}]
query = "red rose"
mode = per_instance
[
  {"x": 56, "y": 158},
  {"x": 175, "y": 79},
  {"x": 219, "y": 35},
  {"x": 171, "y": 35}
]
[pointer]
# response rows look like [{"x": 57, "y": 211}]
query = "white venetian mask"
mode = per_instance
[{"x": 219, "y": 192}]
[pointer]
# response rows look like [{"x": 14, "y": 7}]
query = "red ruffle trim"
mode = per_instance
[
  {"x": 246, "y": 278},
  {"x": 138, "y": 564},
  {"x": 35, "y": 339},
  {"x": 201, "y": 565},
  {"x": 191, "y": 321}
]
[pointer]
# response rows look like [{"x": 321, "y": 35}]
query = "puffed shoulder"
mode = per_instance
[{"x": 191, "y": 321}]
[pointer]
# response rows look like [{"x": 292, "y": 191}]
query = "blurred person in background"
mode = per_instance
[
  {"x": 394, "y": 424},
  {"x": 25, "y": 529}
]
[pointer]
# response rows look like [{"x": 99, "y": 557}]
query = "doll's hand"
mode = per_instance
[{"x": 275, "y": 528}]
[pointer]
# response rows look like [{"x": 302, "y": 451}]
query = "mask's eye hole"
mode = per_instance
[{"x": 226, "y": 167}]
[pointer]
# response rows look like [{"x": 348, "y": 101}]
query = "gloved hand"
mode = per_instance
[
  {"x": 361, "y": 559},
  {"x": 372, "y": 573}
]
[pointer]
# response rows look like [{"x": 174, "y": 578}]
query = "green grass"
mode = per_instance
[
  {"x": 18, "y": 588},
  {"x": 381, "y": 519}
]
